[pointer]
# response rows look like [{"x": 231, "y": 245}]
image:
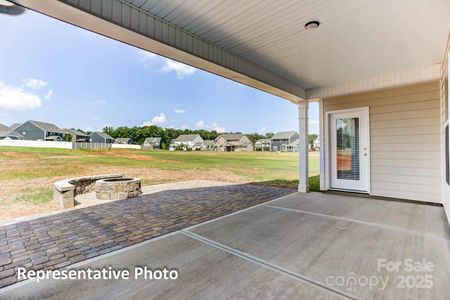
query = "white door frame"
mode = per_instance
[{"x": 327, "y": 145}]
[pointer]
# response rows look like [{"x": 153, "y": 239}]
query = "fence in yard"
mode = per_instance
[
  {"x": 36, "y": 144},
  {"x": 126, "y": 146},
  {"x": 59, "y": 145},
  {"x": 93, "y": 146}
]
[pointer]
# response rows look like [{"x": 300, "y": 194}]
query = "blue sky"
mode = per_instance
[{"x": 51, "y": 71}]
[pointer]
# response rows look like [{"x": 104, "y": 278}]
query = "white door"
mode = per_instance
[{"x": 349, "y": 150}]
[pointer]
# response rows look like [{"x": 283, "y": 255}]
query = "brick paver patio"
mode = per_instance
[{"x": 60, "y": 240}]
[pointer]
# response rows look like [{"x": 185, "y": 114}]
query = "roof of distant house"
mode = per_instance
[
  {"x": 14, "y": 126},
  {"x": 76, "y": 132},
  {"x": 186, "y": 137},
  {"x": 209, "y": 142},
  {"x": 231, "y": 136},
  {"x": 155, "y": 140},
  {"x": 103, "y": 134},
  {"x": 122, "y": 140},
  {"x": 263, "y": 141},
  {"x": 4, "y": 127},
  {"x": 284, "y": 135},
  {"x": 49, "y": 127}
]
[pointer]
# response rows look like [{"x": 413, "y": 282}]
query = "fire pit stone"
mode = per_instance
[{"x": 118, "y": 188}]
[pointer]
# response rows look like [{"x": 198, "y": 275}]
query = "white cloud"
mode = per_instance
[
  {"x": 180, "y": 69},
  {"x": 49, "y": 94},
  {"x": 262, "y": 130},
  {"x": 16, "y": 99},
  {"x": 218, "y": 128},
  {"x": 200, "y": 124},
  {"x": 146, "y": 55},
  {"x": 184, "y": 126},
  {"x": 179, "y": 111},
  {"x": 100, "y": 101},
  {"x": 34, "y": 83},
  {"x": 157, "y": 120},
  {"x": 313, "y": 122}
]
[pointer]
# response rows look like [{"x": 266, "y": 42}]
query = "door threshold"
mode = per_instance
[{"x": 360, "y": 194}]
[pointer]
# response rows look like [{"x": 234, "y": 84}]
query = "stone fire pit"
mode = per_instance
[{"x": 118, "y": 188}]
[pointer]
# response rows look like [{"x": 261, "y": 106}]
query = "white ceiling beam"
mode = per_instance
[{"x": 124, "y": 22}]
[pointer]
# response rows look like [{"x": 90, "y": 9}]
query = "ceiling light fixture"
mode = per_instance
[{"x": 312, "y": 25}]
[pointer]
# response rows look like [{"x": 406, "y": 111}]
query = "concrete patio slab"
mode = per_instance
[
  {"x": 271, "y": 252},
  {"x": 421, "y": 218},
  {"x": 325, "y": 248},
  {"x": 205, "y": 273}
]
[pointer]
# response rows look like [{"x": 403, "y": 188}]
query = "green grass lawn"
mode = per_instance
[
  {"x": 279, "y": 169},
  {"x": 27, "y": 174}
]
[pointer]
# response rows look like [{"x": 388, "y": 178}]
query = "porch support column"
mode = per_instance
[{"x": 303, "y": 147}]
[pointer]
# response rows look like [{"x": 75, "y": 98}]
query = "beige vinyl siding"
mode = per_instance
[
  {"x": 404, "y": 138},
  {"x": 444, "y": 121}
]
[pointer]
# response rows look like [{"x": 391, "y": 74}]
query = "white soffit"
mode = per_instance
[
  {"x": 356, "y": 39},
  {"x": 266, "y": 40}
]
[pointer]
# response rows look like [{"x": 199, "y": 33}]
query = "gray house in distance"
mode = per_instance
[
  {"x": 78, "y": 136},
  {"x": 40, "y": 131},
  {"x": 282, "y": 138},
  {"x": 124, "y": 141},
  {"x": 101, "y": 137},
  {"x": 263, "y": 145},
  {"x": 152, "y": 143}
]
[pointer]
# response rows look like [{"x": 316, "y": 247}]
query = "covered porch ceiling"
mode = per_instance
[{"x": 359, "y": 45}]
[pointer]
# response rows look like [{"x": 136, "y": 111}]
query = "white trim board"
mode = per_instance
[{"x": 388, "y": 80}]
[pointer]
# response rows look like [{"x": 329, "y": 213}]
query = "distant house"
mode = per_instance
[
  {"x": 10, "y": 135},
  {"x": 78, "y": 136},
  {"x": 153, "y": 143},
  {"x": 291, "y": 147},
  {"x": 101, "y": 137},
  {"x": 187, "y": 142},
  {"x": 4, "y": 127},
  {"x": 262, "y": 145},
  {"x": 283, "y": 138},
  {"x": 40, "y": 131},
  {"x": 209, "y": 145},
  {"x": 124, "y": 141},
  {"x": 233, "y": 142}
]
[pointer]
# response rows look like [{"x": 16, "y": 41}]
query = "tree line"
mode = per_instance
[{"x": 139, "y": 134}]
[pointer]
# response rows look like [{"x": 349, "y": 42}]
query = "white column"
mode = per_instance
[{"x": 303, "y": 147}]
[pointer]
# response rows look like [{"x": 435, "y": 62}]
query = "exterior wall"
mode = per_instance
[
  {"x": 36, "y": 144},
  {"x": 445, "y": 112},
  {"x": 96, "y": 138},
  {"x": 405, "y": 139},
  {"x": 189, "y": 144},
  {"x": 30, "y": 131},
  {"x": 220, "y": 144},
  {"x": 245, "y": 140},
  {"x": 276, "y": 144}
]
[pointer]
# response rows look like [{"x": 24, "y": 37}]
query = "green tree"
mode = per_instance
[{"x": 311, "y": 138}]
